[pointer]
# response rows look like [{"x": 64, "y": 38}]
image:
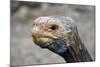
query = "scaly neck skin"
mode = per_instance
[
  {"x": 68, "y": 53},
  {"x": 68, "y": 57},
  {"x": 59, "y": 47}
]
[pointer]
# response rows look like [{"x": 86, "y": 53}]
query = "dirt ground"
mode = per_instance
[{"x": 25, "y": 52}]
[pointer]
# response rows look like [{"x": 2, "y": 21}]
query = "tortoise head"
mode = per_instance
[{"x": 51, "y": 33}]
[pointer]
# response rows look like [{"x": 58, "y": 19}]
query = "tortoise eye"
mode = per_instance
[{"x": 54, "y": 27}]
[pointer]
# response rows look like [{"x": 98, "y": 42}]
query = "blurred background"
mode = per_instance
[{"x": 24, "y": 51}]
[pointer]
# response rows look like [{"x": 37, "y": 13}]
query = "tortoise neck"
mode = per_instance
[{"x": 70, "y": 56}]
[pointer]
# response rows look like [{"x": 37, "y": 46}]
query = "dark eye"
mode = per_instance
[{"x": 54, "y": 27}]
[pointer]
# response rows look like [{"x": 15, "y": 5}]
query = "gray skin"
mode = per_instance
[{"x": 71, "y": 52}]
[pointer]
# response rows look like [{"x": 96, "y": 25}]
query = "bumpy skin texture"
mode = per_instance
[{"x": 59, "y": 34}]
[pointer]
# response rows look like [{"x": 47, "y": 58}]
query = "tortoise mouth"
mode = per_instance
[
  {"x": 43, "y": 42},
  {"x": 55, "y": 45}
]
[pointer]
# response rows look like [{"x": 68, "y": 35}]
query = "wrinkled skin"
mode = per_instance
[{"x": 59, "y": 34}]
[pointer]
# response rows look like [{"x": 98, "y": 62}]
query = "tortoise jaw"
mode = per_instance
[
  {"x": 47, "y": 40},
  {"x": 43, "y": 42},
  {"x": 58, "y": 46}
]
